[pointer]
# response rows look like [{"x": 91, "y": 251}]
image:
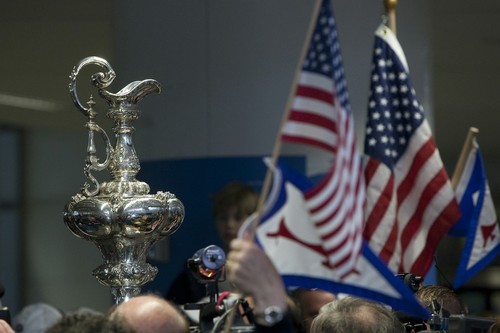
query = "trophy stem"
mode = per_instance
[{"x": 123, "y": 294}]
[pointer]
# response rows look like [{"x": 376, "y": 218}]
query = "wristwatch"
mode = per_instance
[{"x": 271, "y": 316}]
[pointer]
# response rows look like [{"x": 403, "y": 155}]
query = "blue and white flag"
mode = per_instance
[
  {"x": 288, "y": 235},
  {"x": 478, "y": 221}
]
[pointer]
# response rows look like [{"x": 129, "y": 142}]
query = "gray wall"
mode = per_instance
[{"x": 226, "y": 68}]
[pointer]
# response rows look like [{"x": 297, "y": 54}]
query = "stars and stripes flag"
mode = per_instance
[
  {"x": 410, "y": 203},
  {"x": 478, "y": 214},
  {"x": 320, "y": 116}
]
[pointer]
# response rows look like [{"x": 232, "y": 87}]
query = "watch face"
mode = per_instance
[{"x": 273, "y": 315}]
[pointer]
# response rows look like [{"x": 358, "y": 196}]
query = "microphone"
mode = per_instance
[
  {"x": 4, "y": 311},
  {"x": 207, "y": 264}
]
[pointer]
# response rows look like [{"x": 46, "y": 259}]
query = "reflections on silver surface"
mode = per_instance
[{"x": 119, "y": 216}]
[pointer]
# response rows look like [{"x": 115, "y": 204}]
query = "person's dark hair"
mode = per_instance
[
  {"x": 451, "y": 302},
  {"x": 308, "y": 303},
  {"x": 351, "y": 314},
  {"x": 296, "y": 316},
  {"x": 235, "y": 194},
  {"x": 86, "y": 322}
]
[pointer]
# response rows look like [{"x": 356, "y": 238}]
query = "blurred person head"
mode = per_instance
[
  {"x": 231, "y": 206},
  {"x": 445, "y": 297},
  {"x": 356, "y": 315},
  {"x": 36, "y": 318},
  {"x": 86, "y": 322},
  {"x": 309, "y": 302},
  {"x": 151, "y": 314}
]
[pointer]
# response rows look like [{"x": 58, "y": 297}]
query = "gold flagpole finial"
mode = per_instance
[{"x": 390, "y": 10}]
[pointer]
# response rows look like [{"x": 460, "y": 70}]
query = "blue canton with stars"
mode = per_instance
[
  {"x": 393, "y": 110},
  {"x": 324, "y": 57}
]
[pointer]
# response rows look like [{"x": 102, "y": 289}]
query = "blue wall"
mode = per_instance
[{"x": 194, "y": 181}]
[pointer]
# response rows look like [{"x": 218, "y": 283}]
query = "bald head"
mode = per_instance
[
  {"x": 151, "y": 314},
  {"x": 352, "y": 314}
]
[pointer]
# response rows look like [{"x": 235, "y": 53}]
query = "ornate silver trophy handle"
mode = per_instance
[
  {"x": 100, "y": 80},
  {"x": 92, "y": 161}
]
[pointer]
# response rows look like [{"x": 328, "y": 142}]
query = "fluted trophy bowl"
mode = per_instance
[{"x": 119, "y": 216}]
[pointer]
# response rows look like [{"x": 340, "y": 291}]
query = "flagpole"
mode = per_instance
[
  {"x": 277, "y": 143},
  {"x": 459, "y": 168},
  {"x": 390, "y": 10}
]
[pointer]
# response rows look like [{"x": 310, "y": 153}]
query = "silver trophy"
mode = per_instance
[{"x": 119, "y": 216}]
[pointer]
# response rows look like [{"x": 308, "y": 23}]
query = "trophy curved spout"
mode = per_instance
[{"x": 132, "y": 93}]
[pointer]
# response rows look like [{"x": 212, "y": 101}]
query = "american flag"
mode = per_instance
[
  {"x": 410, "y": 203},
  {"x": 320, "y": 116}
]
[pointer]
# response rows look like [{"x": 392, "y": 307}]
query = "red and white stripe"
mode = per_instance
[
  {"x": 409, "y": 208},
  {"x": 336, "y": 203}
]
